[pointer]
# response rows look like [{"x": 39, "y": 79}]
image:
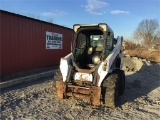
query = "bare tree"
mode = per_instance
[{"x": 147, "y": 32}]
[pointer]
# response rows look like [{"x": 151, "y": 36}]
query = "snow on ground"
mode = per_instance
[{"x": 35, "y": 100}]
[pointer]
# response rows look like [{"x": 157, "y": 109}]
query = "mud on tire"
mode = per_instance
[
  {"x": 57, "y": 77},
  {"x": 110, "y": 89}
]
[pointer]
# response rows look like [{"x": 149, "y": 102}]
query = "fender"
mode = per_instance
[{"x": 65, "y": 65}]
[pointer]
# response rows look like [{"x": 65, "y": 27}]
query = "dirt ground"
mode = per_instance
[{"x": 35, "y": 100}]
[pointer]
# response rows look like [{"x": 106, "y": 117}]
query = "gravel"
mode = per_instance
[{"x": 35, "y": 100}]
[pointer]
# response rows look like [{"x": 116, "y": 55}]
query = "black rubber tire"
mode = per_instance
[
  {"x": 57, "y": 77},
  {"x": 110, "y": 89},
  {"x": 121, "y": 74},
  {"x": 122, "y": 82}
]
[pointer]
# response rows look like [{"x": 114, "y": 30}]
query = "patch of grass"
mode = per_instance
[{"x": 141, "y": 53}]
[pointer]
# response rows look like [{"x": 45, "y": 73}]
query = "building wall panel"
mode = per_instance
[{"x": 23, "y": 43}]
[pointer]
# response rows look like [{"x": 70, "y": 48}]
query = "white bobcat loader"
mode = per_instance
[{"x": 93, "y": 69}]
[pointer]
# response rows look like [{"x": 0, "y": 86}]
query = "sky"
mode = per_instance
[{"x": 123, "y": 16}]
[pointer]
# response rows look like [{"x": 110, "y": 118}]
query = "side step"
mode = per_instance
[{"x": 91, "y": 93}]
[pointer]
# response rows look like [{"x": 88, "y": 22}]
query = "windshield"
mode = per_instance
[
  {"x": 84, "y": 40},
  {"x": 97, "y": 40}
]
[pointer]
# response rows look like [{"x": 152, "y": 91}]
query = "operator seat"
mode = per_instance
[{"x": 97, "y": 55}]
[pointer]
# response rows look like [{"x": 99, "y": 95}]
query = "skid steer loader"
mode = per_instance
[{"x": 93, "y": 69}]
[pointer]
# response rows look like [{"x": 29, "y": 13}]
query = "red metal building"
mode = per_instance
[{"x": 23, "y": 43}]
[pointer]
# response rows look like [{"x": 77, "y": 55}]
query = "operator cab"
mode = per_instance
[{"x": 91, "y": 45}]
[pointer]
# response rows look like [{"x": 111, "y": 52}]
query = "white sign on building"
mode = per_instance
[{"x": 54, "y": 40}]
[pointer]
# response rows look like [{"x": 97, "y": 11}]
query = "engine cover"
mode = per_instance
[{"x": 82, "y": 76}]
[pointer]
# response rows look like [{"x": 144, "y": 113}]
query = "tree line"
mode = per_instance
[{"x": 147, "y": 34}]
